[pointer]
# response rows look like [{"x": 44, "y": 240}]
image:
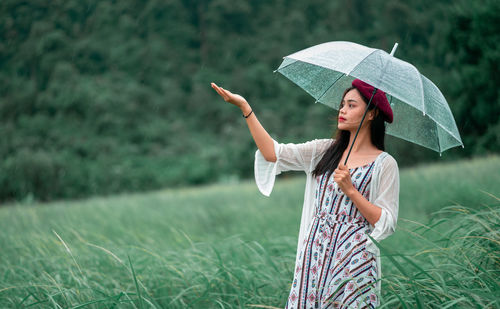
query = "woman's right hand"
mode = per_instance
[
  {"x": 230, "y": 97},
  {"x": 262, "y": 139}
]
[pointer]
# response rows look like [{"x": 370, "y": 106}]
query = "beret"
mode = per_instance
[{"x": 379, "y": 99}]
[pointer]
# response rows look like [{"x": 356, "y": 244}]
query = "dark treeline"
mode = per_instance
[{"x": 99, "y": 97}]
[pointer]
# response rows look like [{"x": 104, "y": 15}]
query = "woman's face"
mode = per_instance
[{"x": 351, "y": 112}]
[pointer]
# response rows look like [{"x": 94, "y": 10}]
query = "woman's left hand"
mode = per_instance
[{"x": 343, "y": 179}]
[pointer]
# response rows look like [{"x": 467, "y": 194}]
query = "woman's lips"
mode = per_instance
[{"x": 341, "y": 119}]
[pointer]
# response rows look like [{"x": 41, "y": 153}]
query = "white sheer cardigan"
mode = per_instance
[{"x": 384, "y": 186}]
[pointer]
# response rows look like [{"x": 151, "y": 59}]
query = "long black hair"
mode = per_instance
[{"x": 333, "y": 154}]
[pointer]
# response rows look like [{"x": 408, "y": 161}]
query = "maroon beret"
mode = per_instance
[{"x": 379, "y": 99}]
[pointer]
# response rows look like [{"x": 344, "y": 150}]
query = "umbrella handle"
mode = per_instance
[{"x": 394, "y": 49}]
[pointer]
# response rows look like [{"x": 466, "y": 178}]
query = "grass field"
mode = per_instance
[{"x": 228, "y": 246}]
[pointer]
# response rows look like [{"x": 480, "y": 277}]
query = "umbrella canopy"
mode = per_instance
[{"x": 421, "y": 113}]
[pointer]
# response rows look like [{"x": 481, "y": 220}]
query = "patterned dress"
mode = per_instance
[{"x": 334, "y": 270}]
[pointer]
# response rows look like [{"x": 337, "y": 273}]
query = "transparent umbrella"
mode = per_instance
[{"x": 421, "y": 113}]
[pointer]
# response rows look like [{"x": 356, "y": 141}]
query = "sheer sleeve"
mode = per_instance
[
  {"x": 387, "y": 198},
  {"x": 289, "y": 157}
]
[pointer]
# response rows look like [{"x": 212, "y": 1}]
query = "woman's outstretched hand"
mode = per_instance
[
  {"x": 262, "y": 139},
  {"x": 230, "y": 97}
]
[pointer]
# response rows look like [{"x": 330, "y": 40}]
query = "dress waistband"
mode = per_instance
[{"x": 340, "y": 219}]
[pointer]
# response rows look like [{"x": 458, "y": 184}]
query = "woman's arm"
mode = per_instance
[
  {"x": 387, "y": 196},
  {"x": 262, "y": 139},
  {"x": 370, "y": 211}
]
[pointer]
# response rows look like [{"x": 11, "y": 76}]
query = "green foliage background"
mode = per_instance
[{"x": 98, "y": 97}]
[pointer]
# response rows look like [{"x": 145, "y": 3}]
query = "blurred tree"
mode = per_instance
[
  {"x": 473, "y": 60},
  {"x": 98, "y": 97}
]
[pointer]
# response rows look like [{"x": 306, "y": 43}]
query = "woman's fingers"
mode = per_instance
[
  {"x": 216, "y": 88},
  {"x": 220, "y": 92},
  {"x": 226, "y": 93},
  {"x": 228, "y": 96}
]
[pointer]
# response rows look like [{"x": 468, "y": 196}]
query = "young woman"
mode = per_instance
[{"x": 337, "y": 265}]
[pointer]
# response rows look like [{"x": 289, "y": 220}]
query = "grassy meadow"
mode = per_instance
[{"x": 228, "y": 246}]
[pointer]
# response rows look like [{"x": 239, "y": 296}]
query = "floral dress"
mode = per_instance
[{"x": 334, "y": 270}]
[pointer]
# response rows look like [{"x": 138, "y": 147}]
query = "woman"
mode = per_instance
[{"x": 337, "y": 265}]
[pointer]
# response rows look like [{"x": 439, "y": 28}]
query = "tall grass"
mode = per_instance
[
  {"x": 233, "y": 273},
  {"x": 229, "y": 247},
  {"x": 457, "y": 263}
]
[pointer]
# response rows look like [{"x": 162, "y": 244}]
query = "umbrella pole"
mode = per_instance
[
  {"x": 374, "y": 90},
  {"x": 366, "y": 110}
]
